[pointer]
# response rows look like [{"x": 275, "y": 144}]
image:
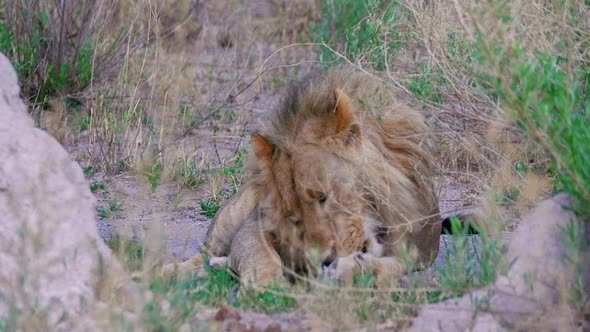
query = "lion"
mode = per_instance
[{"x": 339, "y": 177}]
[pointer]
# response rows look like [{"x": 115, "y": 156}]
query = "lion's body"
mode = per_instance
[{"x": 341, "y": 173}]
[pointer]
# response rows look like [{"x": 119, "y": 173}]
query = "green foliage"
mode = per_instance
[
  {"x": 115, "y": 206},
  {"x": 131, "y": 252},
  {"x": 97, "y": 186},
  {"x": 209, "y": 206},
  {"x": 189, "y": 173},
  {"x": 511, "y": 196},
  {"x": 88, "y": 170},
  {"x": 426, "y": 85},
  {"x": 103, "y": 213},
  {"x": 173, "y": 300},
  {"x": 550, "y": 101},
  {"x": 231, "y": 173},
  {"x": 84, "y": 124},
  {"x": 52, "y": 56},
  {"x": 217, "y": 288},
  {"x": 113, "y": 209},
  {"x": 154, "y": 176},
  {"x": 470, "y": 261},
  {"x": 360, "y": 30},
  {"x": 577, "y": 250},
  {"x": 272, "y": 300}
]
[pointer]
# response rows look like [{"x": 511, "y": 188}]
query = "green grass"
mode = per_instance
[
  {"x": 577, "y": 250},
  {"x": 154, "y": 176},
  {"x": 360, "y": 29},
  {"x": 232, "y": 175},
  {"x": 113, "y": 209},
  {"x": 97, "y": 186},
  {"x": 130, "y": 252},
  {"x": 34, "y": 53},
  {"x": 470, "y": 261},
  {"x": 189, "y": 173},
  {"x": 173, "y": 301},
  {"x": 427, "y": 84},
  {"x": 210, "y": 206}
]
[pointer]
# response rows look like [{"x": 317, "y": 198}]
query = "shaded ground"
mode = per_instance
[{"x": 176, "y": 215}]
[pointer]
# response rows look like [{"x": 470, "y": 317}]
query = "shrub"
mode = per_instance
[
  {"x": 364, "y": 30},
  {"x": 547, "y": 93},
  {"x": 59, "y": 47}
]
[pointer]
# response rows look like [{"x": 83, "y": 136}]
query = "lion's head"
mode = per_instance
[{"x": 342, "y": 169}]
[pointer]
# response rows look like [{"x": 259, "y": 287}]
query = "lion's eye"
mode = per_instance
[{"x": 323, "y": 198}]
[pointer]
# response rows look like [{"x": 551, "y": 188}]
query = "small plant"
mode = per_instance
[
  {"x": 511, "y": 196},
  {"x": 84, "y": 124},
  {"x": 426, "y": 85},
  {"x": 112, "y": 210},
  {"x": 131, "y": 252},
  {"x": 88, "y": 170},
  {"x": 97, "y": 186},
  {"x": 154, "y": 176},
  {"x": 210, "y": 207},
  {"x": 176, "y": 200},
  {"x": 115, "y": 208},
  {"x": 548, "y": 98},
  {"x": 361, "y": 30},
  {"x": 189, "y": 173},
  {"x": 103, "y": 213}
]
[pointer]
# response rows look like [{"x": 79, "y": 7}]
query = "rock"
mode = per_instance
[
  {"x": 52, "y": 260},
  {"x": 532, "y": 295}
]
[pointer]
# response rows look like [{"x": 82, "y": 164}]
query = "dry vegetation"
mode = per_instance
[{"x": 156, "y": 100}]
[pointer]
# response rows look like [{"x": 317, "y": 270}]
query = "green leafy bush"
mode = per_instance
[{"x": 549, "y": 99}]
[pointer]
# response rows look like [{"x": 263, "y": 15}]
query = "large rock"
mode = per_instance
[
  {"x": 52, "y": 261},
  {"x": 534, "y": 293}
]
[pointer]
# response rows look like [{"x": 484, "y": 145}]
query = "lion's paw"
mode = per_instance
[
  {"x": 218, "y": 262},
  {"x": 344, "y": 268}
]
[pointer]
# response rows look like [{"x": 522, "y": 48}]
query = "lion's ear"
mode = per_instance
[
  {"x": 261, "y": 147},
  {"x": 345, "y": 117},
  {"x": 344, "y": 112}
]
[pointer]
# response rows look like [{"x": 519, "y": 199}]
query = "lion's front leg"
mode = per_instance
[
  {"x": 253, "y": 256},
  {"x": 386, "y": 270},
  {"x": 221, "y": 232},
  {"x": 194, "y": 265}
]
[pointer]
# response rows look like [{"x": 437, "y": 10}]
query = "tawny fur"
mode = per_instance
[{"x": 340, "y": 174}]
